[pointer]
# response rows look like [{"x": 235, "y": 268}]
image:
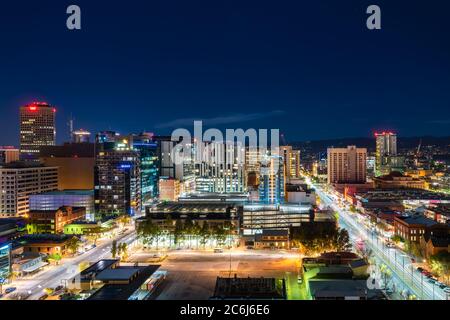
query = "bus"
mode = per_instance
[{"x": 154, "y": 281}]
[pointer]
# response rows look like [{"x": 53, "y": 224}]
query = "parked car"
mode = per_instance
[
  {"x": 442, "y": 286},
  {"x": 218, "y": 250},
  {"x": 59, "y": 288},
  {"x": 420, "y": 269},
  {"x": 447, "y": 290},
  {"x": 432, "y": 281},
  {"x": 10, "y": 289},
  {"x": 43, "y": 297}
]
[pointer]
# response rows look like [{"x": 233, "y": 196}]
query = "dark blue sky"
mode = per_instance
[{"x": 310, "y": 68}]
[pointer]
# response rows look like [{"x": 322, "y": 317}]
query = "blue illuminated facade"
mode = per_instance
[
  {"x": 149, "y": 166},
  {"x": 5, "y": 262}
]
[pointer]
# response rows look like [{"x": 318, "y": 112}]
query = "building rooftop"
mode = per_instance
[
  {"x": 66, "y": 193},
  {"x": 342, "y": 288},
  {"x": 24, "y": 165},
  {"x": 119, "y": 273},
  {"x": 401, "y": 194},
  {"x": 418, "y": 219},
  {"x": 124, "y": 291},
  {"x": 249, "y": 288},
  {"x": 214, "y": 197},
  {"x": 43, "y": 238}
]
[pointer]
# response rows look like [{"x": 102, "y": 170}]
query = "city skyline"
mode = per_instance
[
  {"x": 253, "y": 66},
  {"x": 238, "y": 154}
]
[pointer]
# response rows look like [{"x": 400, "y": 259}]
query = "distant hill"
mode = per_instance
[{"x": 369, "y": 143}]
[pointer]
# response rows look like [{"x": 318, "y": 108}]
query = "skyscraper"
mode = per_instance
[
  {"x": 272, "y": 181},
  {"x": 386, "y": 146},
  {"x": 291, "y": 160},
  {"x": 117, "y": 180},
  {"x": 347, "y": 165},
  {"x": 148, "y": 153},
  {"x": 37, "y": 128}
]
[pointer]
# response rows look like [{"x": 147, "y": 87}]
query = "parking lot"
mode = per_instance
[{"x": 192, "y": 274}]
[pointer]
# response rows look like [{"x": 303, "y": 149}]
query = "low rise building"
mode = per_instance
[
  {"x": 412, "y": 228},
  {"x": 53, "y": 200},
  {"x": 272, "y": 239},
  {"x": 109, "y": 280},
  {"x": 300, "y": 194},
  {"x": 214, "y": 214},
  {"x": 396, "y": 180},
  {"x": 53, "y": 221},
  {"x": 439, "y": 213},
  {"x": 48, "y": 244}
]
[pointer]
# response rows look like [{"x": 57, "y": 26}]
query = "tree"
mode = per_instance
[
  {"x": 342, "y": 241},
  {"x": 73, "y": 244},
  {"x": 196, "y": 232},
  {"x": 114, "y": 249},
  {"x": 94, "y": 235},
  {"x": 204, "y": 234},
  {"x": 440, "y": 262},
  {"x": 56, "y": 257},
  {"x": 123, "y": 251},
  {"x": 124, "y": 219},
  {"x": 188, "y": 229},
  {"x": 219, "y": 234},
  {"x": 178, "y": 233},
  {"x": 146, "y": 231}
]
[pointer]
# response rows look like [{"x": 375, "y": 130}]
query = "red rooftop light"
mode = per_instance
[{"x": 33, "y": 108}]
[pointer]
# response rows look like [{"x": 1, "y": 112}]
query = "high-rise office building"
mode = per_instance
[
  {"x": 386, "y": 146},
  {"x": 148, "y": 153},
  {"x": 219, "y": 168},
  {"x": 37, "y": 128},
  {"x": 117, "y": 180},
  {"x": 291, "y": 160},
  {"x": 272, "y": 181},
  {"x": 347, "y": 165},
  {"x": 18, "y": 181}
]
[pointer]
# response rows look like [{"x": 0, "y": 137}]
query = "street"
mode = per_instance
[{"x": 399, "y": 262}]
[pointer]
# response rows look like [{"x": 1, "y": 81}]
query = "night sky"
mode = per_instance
[{"x": 310, "y": 68}]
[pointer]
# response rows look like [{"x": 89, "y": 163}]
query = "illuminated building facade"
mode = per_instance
[
  {"x": 117, "y": 180},
  {"x": 272, "y": 181},
  {"x": 291, "y": 160},
  {"x": 81, "y": 136},
  {"x": 219, "y": 169},
  {"x": 5, "y": 262},
  {"x": 148, "y": 152},
  {"x": 72, "y": 198},
  {"x": 347, "y": 165},
  {"x": 8, "y": 154},
  {"x": 18, "y": 181},
  {"x": 386, "y": 146},
  {"x": 37, "y": 128}
]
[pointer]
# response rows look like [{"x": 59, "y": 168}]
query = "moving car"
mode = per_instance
[
  {"x": 218, "y": 250},
  {"x": 10, "y": 289}
]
